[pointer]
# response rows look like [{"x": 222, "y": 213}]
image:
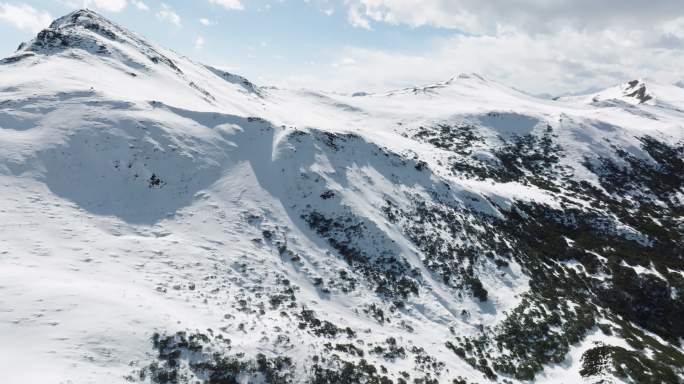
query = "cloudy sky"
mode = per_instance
[{"x": 540, "y": 46}]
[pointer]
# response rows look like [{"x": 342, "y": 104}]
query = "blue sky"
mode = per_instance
[{"x": 348, "y": 45}]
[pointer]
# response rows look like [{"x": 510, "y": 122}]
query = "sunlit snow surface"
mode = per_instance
[{"x": 135, "y": 197}]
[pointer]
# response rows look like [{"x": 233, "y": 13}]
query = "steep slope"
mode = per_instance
[{"x": 201, "y": 228}]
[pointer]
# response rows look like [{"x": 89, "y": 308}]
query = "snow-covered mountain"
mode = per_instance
[
  {"x": 167, "y": 222},
  {"x": 635, "y": 92}
]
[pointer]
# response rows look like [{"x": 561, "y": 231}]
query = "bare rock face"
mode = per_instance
[{"x": 637, "y": 90}]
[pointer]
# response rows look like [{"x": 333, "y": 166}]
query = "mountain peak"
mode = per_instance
[
  {"x": 633, "y": 92},
  {"x": 83, "y": 29},
  {"x": 88, "y": 31},
  {"x": 82, "y": 17},
  {"x": 636, "y": 89},
  {"x": 84, "y": 21},
  {"x": 91, "y": 21},
  {"x": 469, "y": 76}
]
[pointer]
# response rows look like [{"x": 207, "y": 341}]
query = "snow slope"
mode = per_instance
[{"x": 328, "y": 237}]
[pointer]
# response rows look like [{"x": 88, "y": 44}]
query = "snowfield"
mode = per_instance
[{"x": 164, "y": 221}]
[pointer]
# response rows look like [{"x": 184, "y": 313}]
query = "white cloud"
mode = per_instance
[
  {"x": 535, "y": 16},
  {"x": 674, "y": 27},
  {"x": 206, "y": 22},
  {"x": 140, "y": 5},
  {"x": 567, "y": 61},
  {"x": 24, "y": 17},
  {"x": 231, "y": 5},
  {"x": 348, "y": 61},
  {"x": 199, "y": 42},
  {"x": 167, "y": 14},
  {"x": 355, "y": 18},
  {"x": 539, "y": 46},
  {"x": 105, "y": 5}
]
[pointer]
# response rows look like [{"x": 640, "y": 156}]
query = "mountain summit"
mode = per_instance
[
  {"x": 90, "y": 20},
  {"x": 66, "y": 31},
  {"x": 96, "y": 54},
  {"x": 635, "y": 92},
  {"x": 88, "y": 31},
  {"x": 169, "y": 222}
]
